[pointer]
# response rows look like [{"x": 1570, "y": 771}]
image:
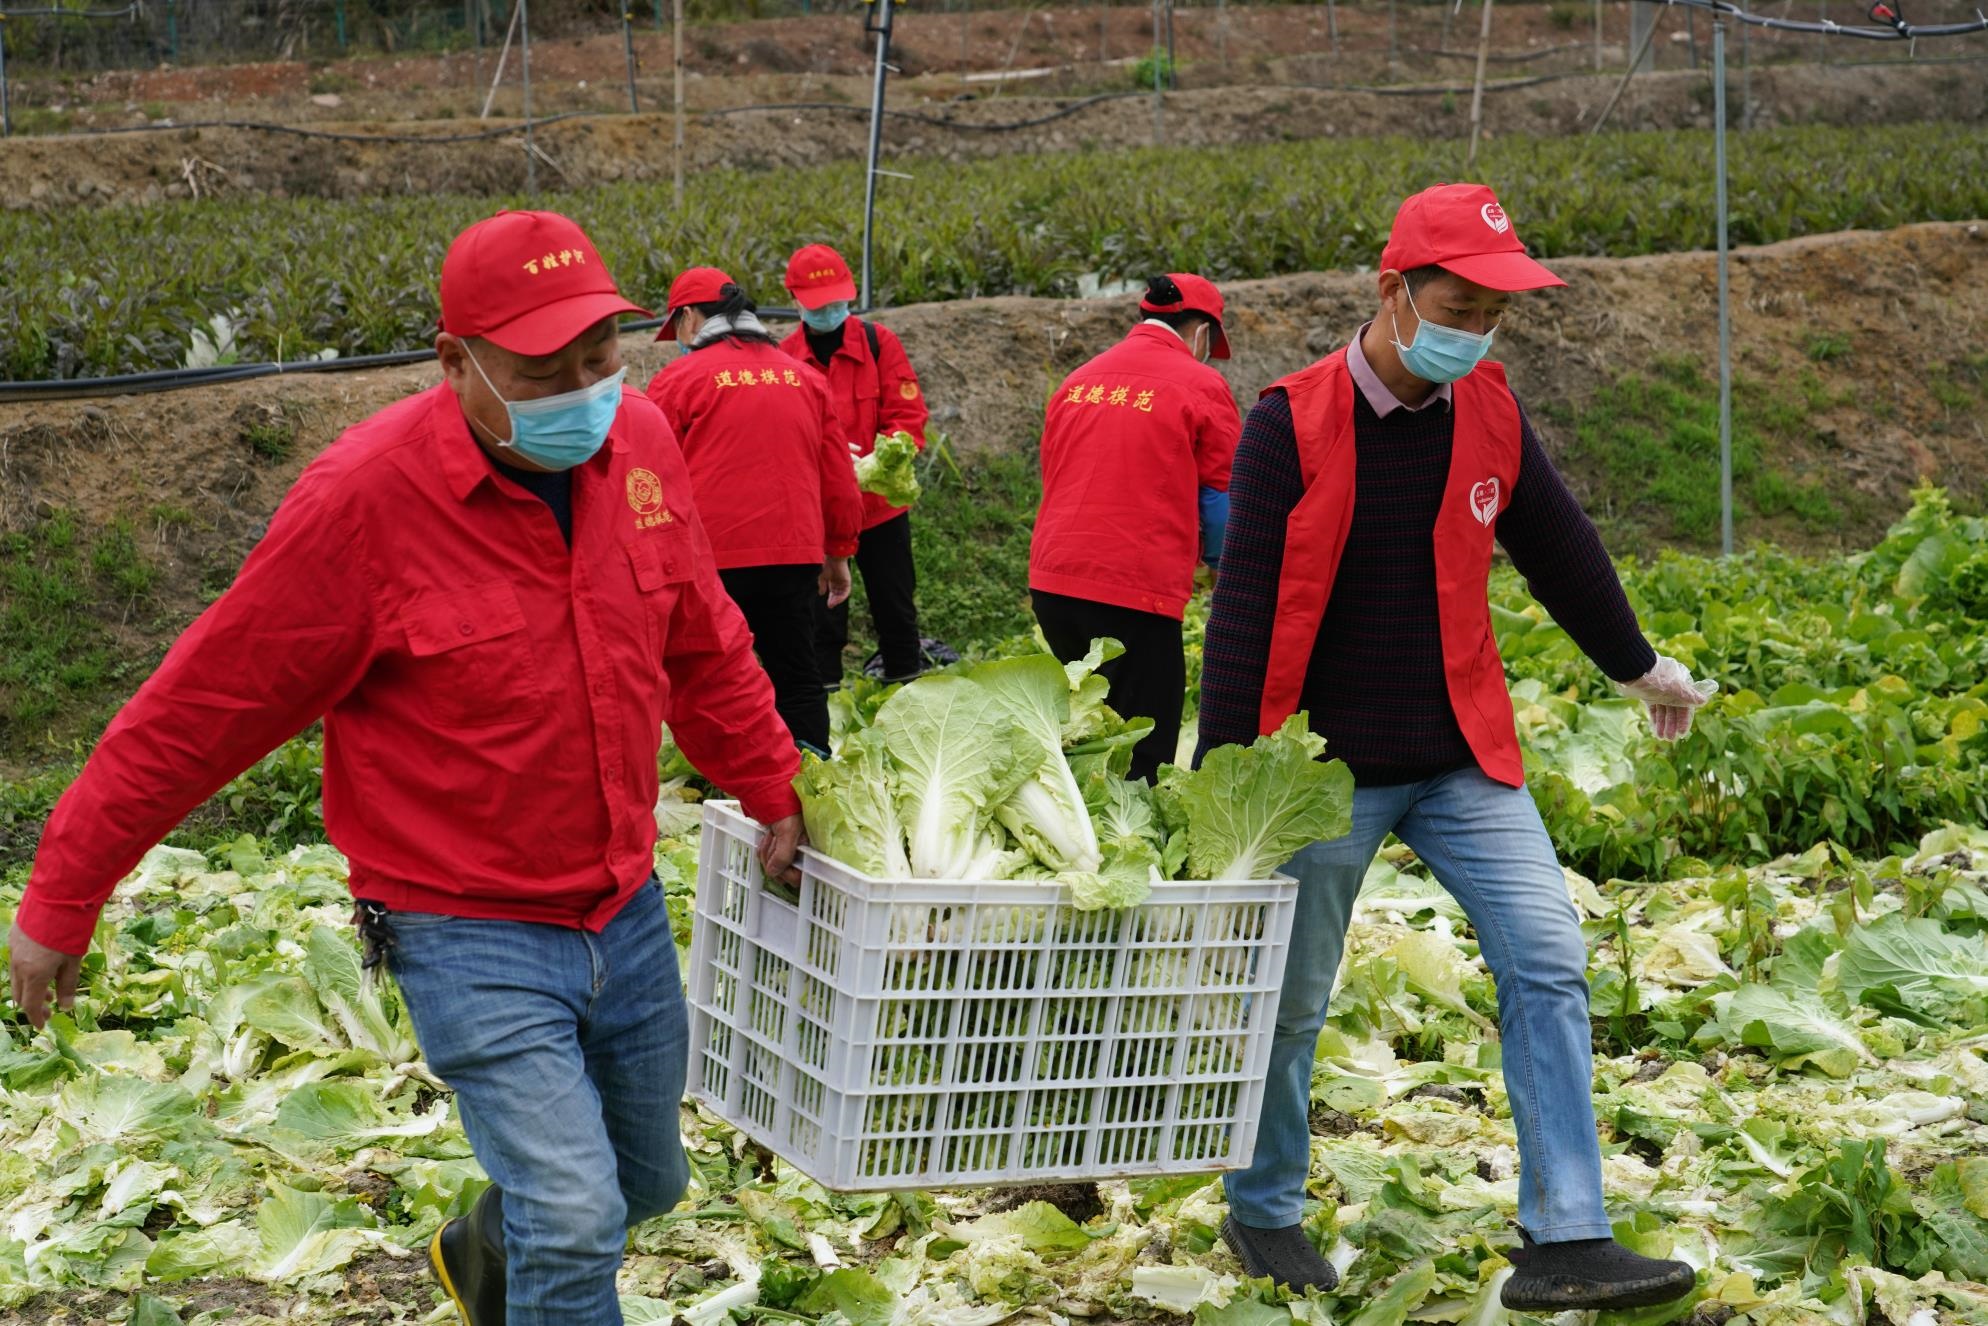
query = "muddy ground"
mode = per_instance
[
  {"x": 50, "y": 172},
  {"x": 1872, "y": 320},
  {"x": 938, "y": 54}
]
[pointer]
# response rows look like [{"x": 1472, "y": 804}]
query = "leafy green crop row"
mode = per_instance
[
  {"x": 1855, "y": 705},
  {"x": 126, "y": 290}
]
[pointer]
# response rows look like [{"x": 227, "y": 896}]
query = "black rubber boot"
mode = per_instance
[
  {"x": 468, "y": 1257},
  {"x": 1285, "y": 1255},
  {"x": 1590, "y": 1274}
]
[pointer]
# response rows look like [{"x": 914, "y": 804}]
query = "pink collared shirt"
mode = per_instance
[{"x": 1379, "y": 398}]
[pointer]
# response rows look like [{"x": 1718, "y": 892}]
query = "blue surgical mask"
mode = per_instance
[
  {"x": 1439, "y": 354},
  {"x": 826, "y": 318},
  {"x": 559, "y": 432}
]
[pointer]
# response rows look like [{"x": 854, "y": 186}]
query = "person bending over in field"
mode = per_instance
[
  {"x": 1367, "y": 492},
  {"x": 495, "y": 593}
]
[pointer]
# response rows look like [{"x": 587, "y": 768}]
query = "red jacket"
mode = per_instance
[
  {"x": 774, "y": 486},
  {"x": 492, "y": 701},
  {"x": 868, "y": 395},
  {"x": 1484, "y": 467},
  {"x": 1129, "y": 440}
]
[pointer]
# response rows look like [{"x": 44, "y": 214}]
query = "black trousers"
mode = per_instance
[
  {"x": 779, "y": 603},
  {"x": 890, "y": 579},
  {"x": 1149, "y": 680}
]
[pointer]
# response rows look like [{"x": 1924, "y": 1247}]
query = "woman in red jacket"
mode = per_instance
[
  {"x": 871, "y": 390},
  {"x": 775, "y": 485}
]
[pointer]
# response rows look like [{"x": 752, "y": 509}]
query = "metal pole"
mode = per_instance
[
  {"x": 1635, "y": 61},
  {"x": 1597, "y": 36},
  {"x": 1691, "y": 35},
  {"x": 659, "y": 15},
  {"x": 628, "y": 49},
  {"x": 1643, "y": 19},
  {"x": 676, "y": 37},
  {"x": 1477, "y": 88},
  {"x": 1393, "y": 40},
  {"x": 1173, "y": 66},
  {"x": 1159, "y": 106},
  {"x": 341, "y": 25},
  {"x": 1222, "y": 31},
  {"x": 6, "y": 111},
  {"x": 1332, "y": 25},
  {"x": 1746, "y": 71},
  {"x": 525, "y": 58},
  {"x": 884, "y": 12},
  {"x": 503, "y": 58},
  {"x": 1725, "y": 293}
]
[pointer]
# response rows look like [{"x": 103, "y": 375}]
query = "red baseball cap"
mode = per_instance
[
  {"x": 530, "y": 282},
  {"x": 696, "y": 285},
  {"x": 1197, "y": 295},
  {"x": 817, "y": 276},
  {"x": 1463, "y": 229}
]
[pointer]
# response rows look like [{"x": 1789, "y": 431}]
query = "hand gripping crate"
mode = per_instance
[{"x": 922, "y": 1033}]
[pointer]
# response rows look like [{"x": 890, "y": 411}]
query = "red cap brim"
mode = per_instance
[
  {"x": 814, "y": 297},
  {"x": 555, "y": 326},
  {"x": 1502, "y": 271},
  {"x": 1220, "y": 347}
]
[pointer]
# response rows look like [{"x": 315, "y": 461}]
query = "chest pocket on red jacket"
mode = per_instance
[
  {"x": 472, "y": 657},
  {"x": 663, "y": 561}
]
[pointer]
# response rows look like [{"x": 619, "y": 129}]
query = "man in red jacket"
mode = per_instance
[
  {"x": 776, "y": 487},
  {"x": 494, "y": 593},
  {"x": 871, "y": 389},
  {"x": 1369, "y": 489},
  {"x": 1135, "y": 449}
]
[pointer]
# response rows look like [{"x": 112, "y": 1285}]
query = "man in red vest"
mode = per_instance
[
  {"x": 1136, "y": 448},
  {"x": 871, "y": 390},
  {"x": 1368, "y": 491}
]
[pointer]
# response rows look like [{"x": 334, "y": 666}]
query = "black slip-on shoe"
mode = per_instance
[
  {"x": 1285, "y": 1255},
  {"x": 1589, "y": 1275},
  {"x": 468, "y": 1257}
]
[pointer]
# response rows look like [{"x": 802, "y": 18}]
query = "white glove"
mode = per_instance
[{"x": 1670, "y": 694}]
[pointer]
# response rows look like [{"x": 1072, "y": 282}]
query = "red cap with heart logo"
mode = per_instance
[
  {"x": 818, "y": 275},
  {"x": 530, "y": 282},
  {"x": 1462, "y": 229}
]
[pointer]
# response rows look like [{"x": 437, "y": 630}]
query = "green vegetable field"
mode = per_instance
[
  {"x": 1786, "y": 915},
  {"x": 969, "y": 1012},
  {"x": 130, "y": 291}
]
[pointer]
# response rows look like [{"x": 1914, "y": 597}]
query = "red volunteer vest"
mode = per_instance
[{"x": 1484, "y": 465}]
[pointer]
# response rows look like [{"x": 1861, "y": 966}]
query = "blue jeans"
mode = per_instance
[
  {"x": 567, "y": 1052},
  {"x": 1485, "y": 843}
]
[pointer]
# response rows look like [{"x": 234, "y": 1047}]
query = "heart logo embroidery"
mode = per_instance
[
  {"x": 1484, "y": 501},
  {"x": 1494, "y": 217}
]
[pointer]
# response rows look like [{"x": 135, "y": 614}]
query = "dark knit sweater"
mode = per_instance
[{"x": 1375, "y": 686}]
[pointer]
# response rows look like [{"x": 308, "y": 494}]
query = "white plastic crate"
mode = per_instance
[{"x": 922, "y": 1033}]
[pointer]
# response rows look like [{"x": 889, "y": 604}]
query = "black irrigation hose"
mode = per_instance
[
  {"x": 264, "y": 126},
  {"x": 1516, "y": 57},
  {"x": 176, "y": 379},
  {"x": 937, "y": 121},
  {"x": 1898, "y": 30},
  {"x": 125, "y": 12}
]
